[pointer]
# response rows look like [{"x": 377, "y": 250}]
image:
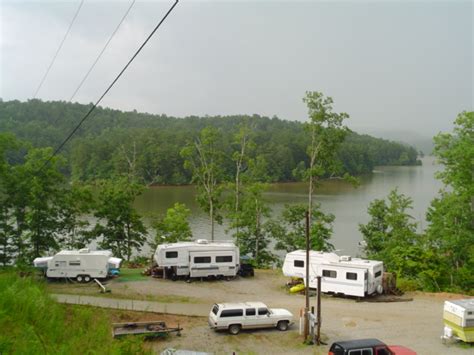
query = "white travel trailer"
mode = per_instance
[
  {"x": 82, "y": 265},
  {"x": 198, "y": 259},
  {"x": 339, "y": 274}
]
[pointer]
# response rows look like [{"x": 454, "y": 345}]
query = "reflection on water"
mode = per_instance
[{"x": 347, "y": 203}]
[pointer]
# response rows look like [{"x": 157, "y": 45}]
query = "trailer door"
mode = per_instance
[{"x": 201, "y": 264}]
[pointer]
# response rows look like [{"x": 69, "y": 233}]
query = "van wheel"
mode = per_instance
[
  {"x": 282, "y": 325},
  {"x": 174, "y": 277},
  {"x": 87, "y": 278},
  {"x": 234, "y": 329},
  {"x": 79, "y": 278}
]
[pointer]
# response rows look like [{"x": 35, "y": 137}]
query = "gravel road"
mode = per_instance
[{"x": 417, "y": 324}]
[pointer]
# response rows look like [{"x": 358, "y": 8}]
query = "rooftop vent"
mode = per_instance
[
  {"x": 345, "y": 258},
  {"x": 84, "y": 250},
  {"x": 202, "y": 241}
]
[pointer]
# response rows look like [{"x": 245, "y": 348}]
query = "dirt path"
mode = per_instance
[{"x": 417, "y": 324}]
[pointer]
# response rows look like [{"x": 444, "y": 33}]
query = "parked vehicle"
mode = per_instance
[
  {"x": 198, "y": 259},
  {"x": 246, "y": 270},
  {"x": 82, "y": 265},
  {"x": 248, "y": 315},
  {"x": 458, "y": 317},
  {"x": 339, "y": 274},
  {"x": 367, "y": 347}
]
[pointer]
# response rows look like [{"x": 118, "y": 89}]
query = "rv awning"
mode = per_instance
[
  {"x": 42, "y": 262},
  {"x": 115, "y": 262}
]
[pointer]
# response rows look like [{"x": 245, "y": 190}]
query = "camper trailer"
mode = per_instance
[
  {"x": 82, "y": 265},
  {"x": 339, "y": 274},
  {"x": 198, "y": 259},
  {"x": 458, "y": 316}
]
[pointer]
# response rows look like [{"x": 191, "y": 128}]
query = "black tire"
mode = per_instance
[
  {"x": 87, "y": 278},
  {"x": 234, "y": 329},
  {"x": 174, "y": 277},
  {"x": 80, "y": 278},
  {"x": 282, "y": 325}
]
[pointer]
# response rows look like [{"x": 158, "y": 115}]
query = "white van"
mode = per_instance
[{"x": 248, "y": 315}]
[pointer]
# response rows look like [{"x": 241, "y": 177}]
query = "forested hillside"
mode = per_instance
[{"x": 112, "y": 141}]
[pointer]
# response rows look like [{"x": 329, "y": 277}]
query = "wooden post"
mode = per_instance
[
  {"x": 306, "y": 310},
  {"x": 318, "y": 332}
]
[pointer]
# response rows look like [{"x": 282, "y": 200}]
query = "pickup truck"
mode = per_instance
[
  {"x": 367, "y": 347},
  {"x": 248, "y": 315}
]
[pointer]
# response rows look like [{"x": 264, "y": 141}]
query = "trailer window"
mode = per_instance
[
  {"x": 361, "y": 352},
  {"x": 232, "y": 313},
  {"x": 298, "y": 263},
  {"x": 202, "y": 259},
  {"x": 330, "y": 273},
  {"x": 351, "y": 276},
  {"x": 224, "y": 259},
  {"x": 171, "y": 254},
  {"x": 262, "y": 311},
  {"x": 378, "y": 273},
  {"x": 60, "y": 263},
  {"x": 75, "y": 263},
  {"x": 250, "y": 312}
]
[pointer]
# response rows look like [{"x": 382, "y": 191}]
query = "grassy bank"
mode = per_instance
[{"x": 32, "y": 323}]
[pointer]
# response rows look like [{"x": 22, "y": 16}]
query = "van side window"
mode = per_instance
[
  {"x": 298, "y": 263},
  {"x": 224, "y": 259},
  {"x": 351, "y": 276},
  {"x": 378, "y": 273},
  {"x": 250, "y": 312},
  {"x": 215, "y": 309},
  {"x": 330, "y": 273},
  {"x": 262, "y": 311},
  {"x": 383, "y": 351},
  {"x": 171, "y": 254},
  {"x": 232, "y": 313},
  {"x": 202, "y": 259},
  {"x": 75, "y": 263}
]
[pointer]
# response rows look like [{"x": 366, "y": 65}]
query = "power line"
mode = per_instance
[
  {"x": 110, "y": 86},
  {"x": 102, "y": 51},
  {"x": 58, "y": 50}
]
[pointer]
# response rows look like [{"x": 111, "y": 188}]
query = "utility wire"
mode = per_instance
[
  {"x": 58, "y": 50},
  {"x": 102, "y": 51},
  {"x": 109, "y": 87}
]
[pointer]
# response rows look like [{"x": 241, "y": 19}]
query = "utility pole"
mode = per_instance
[
  {"x": 318, "y": 320},
  {"x": 306, "y": 309}
]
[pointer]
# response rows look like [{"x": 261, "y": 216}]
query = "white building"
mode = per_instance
[
  {"x": 339, "y": 274},
  {"x": 198, "y": 259}
]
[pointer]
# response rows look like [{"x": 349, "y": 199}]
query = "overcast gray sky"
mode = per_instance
[{"x": 398, "y": 65}]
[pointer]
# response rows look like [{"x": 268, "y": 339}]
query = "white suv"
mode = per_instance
[{"x": 248, "y": 315}]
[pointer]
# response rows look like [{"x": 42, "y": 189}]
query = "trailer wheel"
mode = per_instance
[
  {"x": 87, "y": 278},
  {"x": 234, "y": 329},
  {"x": 282, "y": 325},
  {"x": 79, "y": 278}
]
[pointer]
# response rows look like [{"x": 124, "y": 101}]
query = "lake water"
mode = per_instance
[{"x": 348, "y": 204}]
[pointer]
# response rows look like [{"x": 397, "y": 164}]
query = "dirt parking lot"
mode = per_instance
[{"x": 417, "y": 324}]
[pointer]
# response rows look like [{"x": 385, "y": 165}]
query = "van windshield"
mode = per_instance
[{"x": 215, "y": 309}]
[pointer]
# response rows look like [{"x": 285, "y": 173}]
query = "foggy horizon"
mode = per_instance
[{"x": 392, "y": 66}]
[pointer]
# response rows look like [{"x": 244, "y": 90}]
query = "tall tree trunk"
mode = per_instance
[{"x": 211, "y": 215}]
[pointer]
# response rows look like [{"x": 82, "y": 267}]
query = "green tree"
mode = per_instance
[
  {"x": 451, "y": 228},
  {"x": 253, "y": 228},
  {"x": 119, "y": 223},
  {"x": 291, "y": 236},
  {"x": 174, "y": 226},
  {"x": 326, "y": 132},
  {"x": 44, "y": 207},
  {"x": 204, "y": 160},
  {"x": 391, "y": 236}
]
